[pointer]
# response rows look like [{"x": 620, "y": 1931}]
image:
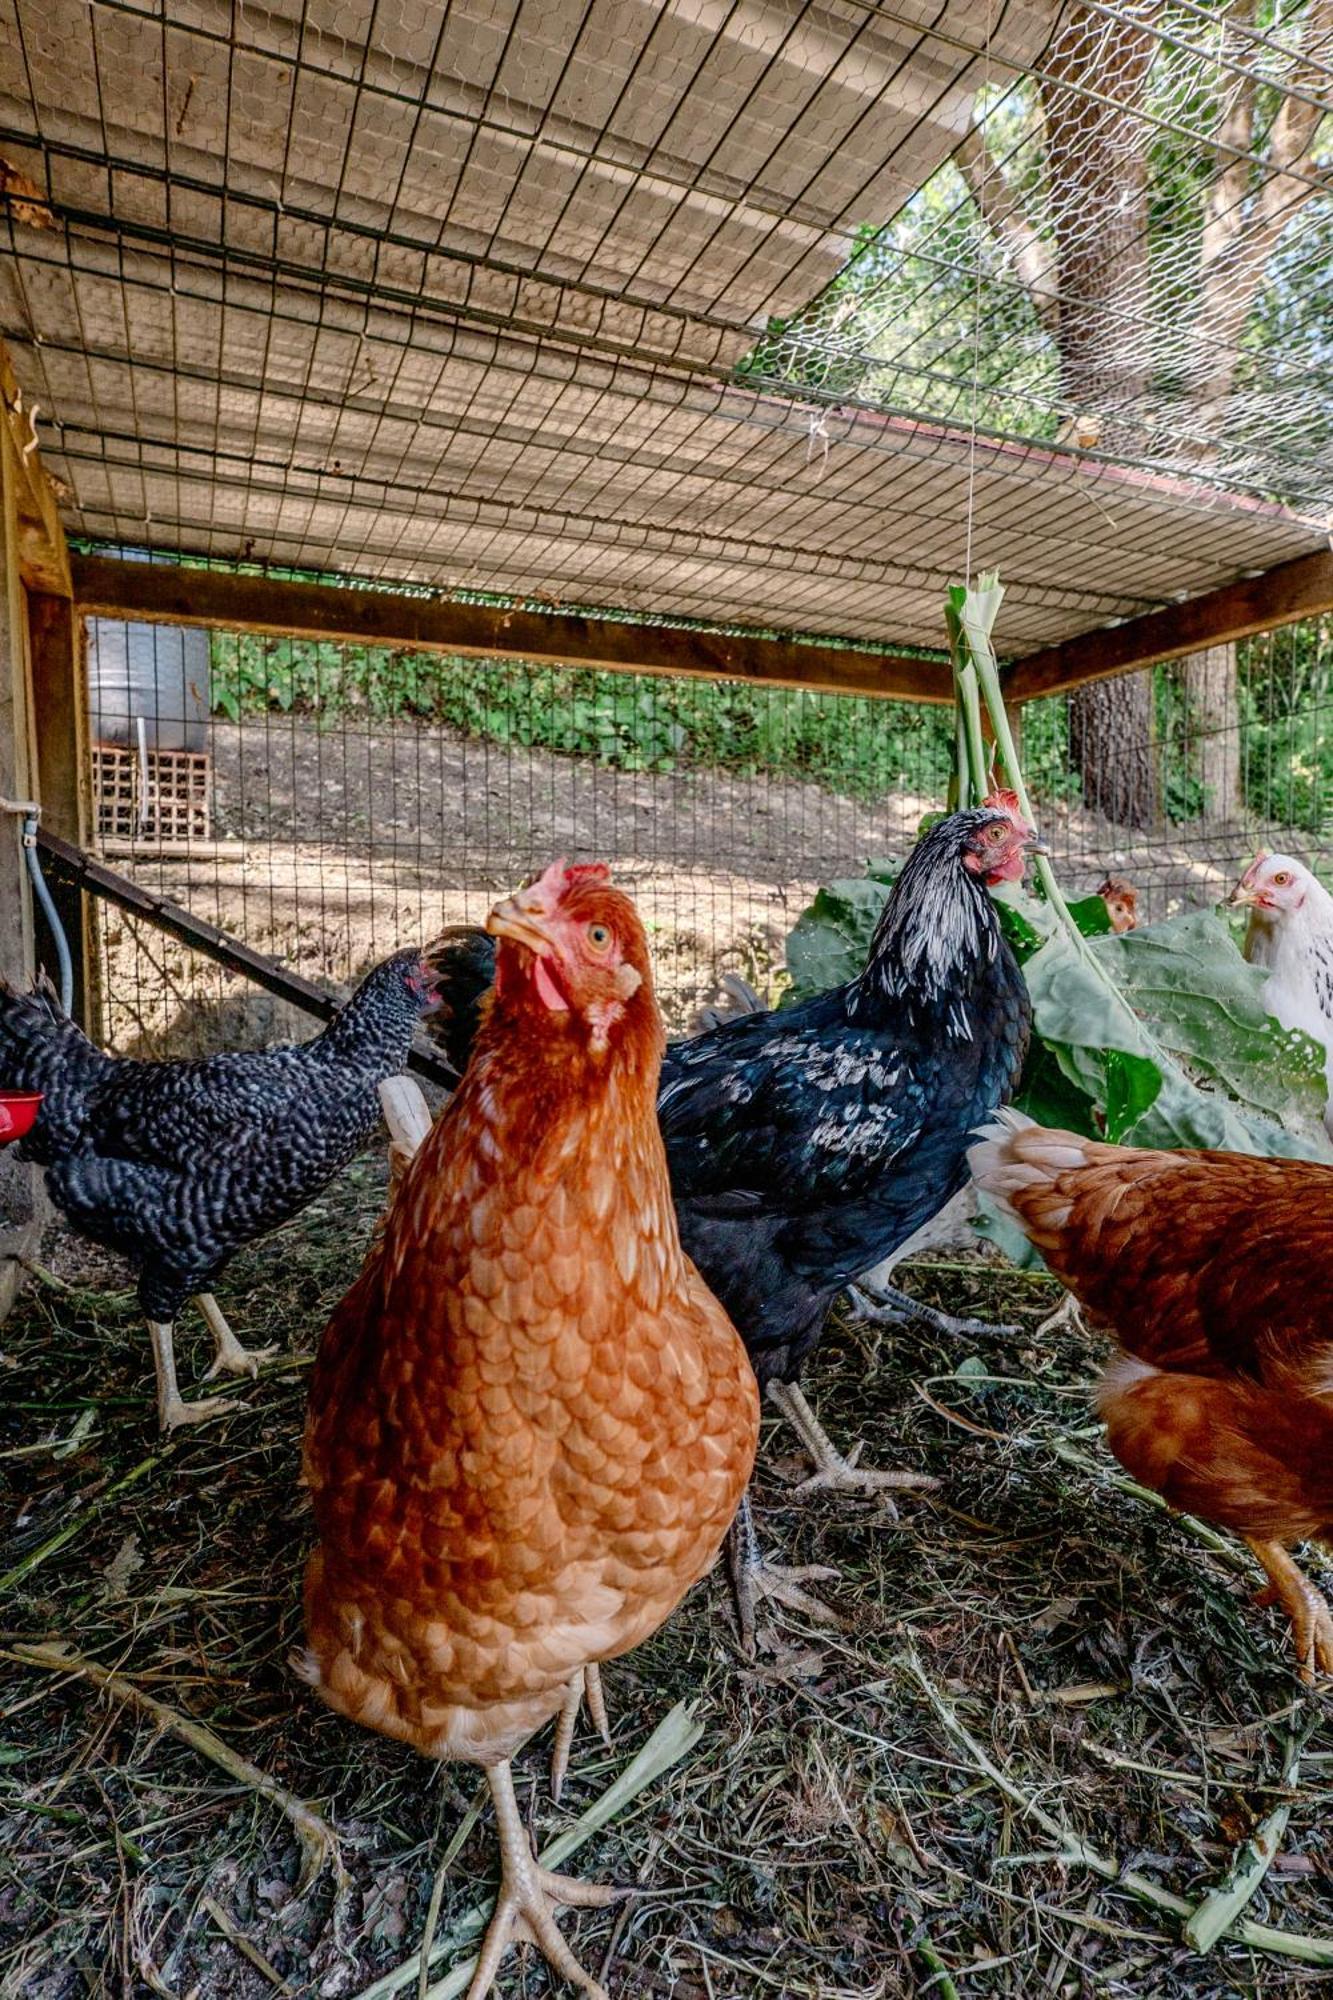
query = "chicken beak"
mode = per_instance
[
  {"x": 509, "y": 920},
  {"x": 1034, "y": 844},
  {"x": 1241, "y": 898}
]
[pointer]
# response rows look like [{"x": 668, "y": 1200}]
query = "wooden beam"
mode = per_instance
[
  {"x": 64, "y": 782},
  {"x": 1299, "y": 589},
  {"x": 42, "y": 552},
  {"x": 71, "y": 863},
  {"x": 179, "y": 596},
  {"x": 23, "y": 1207}
]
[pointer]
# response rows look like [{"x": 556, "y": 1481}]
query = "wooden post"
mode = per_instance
[
  {"x": 22, "y": 1200},
  {"x": 64, "y": 782},
  {"x": 1014, "y": 711}
]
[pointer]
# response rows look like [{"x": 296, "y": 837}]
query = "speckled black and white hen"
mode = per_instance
[
  {"x": 178, "y": 1164},
  {"x": 806, "y": 1146}
]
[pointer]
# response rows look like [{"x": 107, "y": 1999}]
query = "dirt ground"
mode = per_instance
[{"x": 1031, "y": 1663}]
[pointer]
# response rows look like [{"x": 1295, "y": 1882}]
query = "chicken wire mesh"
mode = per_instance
[
  {"x": 781, "y": 317},
  {"x": 359, "y": 798},
  {"x": 1237, "y": 754},
  {"x": 356, "y": 799},
  {"x": 783, "y": 314}
]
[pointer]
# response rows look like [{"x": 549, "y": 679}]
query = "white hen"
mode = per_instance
[{"x": 1291, "y": 933}]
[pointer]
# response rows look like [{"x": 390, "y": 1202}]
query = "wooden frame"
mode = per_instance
[
  {"x": 174, "y": 595},
  {"x": 64, "y": 779},
  {"x": 42, "y": 554},
  {"x": 1299, "y": 589},
  {"x": 178, "y": 596}
]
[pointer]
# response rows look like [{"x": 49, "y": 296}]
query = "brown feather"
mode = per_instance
[
  {"x": 1210, "y": 1269},
  {"x": 530, "y": 1424}
]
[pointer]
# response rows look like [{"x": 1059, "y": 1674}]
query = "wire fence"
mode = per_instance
[
  {"x": 1229, "y": 752},
  {"x": 327, "y": 803},
  {"x": 776, "y": 315}
]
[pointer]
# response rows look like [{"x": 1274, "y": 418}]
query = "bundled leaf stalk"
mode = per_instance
[{"x": 1117, "y": 1038}]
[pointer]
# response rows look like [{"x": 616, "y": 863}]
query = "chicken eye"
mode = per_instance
[
  {"x": 995, "y": 833},
  {"x": 1281, "y": 879},
  {"x": 599, "y": 937}
]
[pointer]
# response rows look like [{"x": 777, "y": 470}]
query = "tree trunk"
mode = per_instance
[
  {"x": 1213, "y": 708},
  {"x": 1111, "y": 740},
  {"x": 1097, "y": 198}
]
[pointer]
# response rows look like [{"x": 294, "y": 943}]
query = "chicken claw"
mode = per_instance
[
  {"x": 175, "y": 1413},
  {"x": 1306, "y": 1607},
  {"x": 890, "y": 1307},
  {"x": 528, "y": 1899},
  {"x": 172, "y": 1410},
  {"x": 841, "y": 1475},
  {"x": 753, "y": 1576},
  {"x": 230, "y": 1357},
  {"x": 585, "y": 1686}
]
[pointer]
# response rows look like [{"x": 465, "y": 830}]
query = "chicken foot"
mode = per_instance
[
  {"x": 753, "y": 1576},
  {"x": 585, "y": 1686},
  {"x": 172, "y": 1409},
  {"x": 528, "y": 1899},
  {"x": 1305, "y": 1605},
  {"x": 841, "y": 1475},
  {"x": 229, "y": 1358},
  {"x": 887, "y": 1306}
]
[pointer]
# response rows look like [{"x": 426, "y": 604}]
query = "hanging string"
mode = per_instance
[{"x": 984, "y": 95}]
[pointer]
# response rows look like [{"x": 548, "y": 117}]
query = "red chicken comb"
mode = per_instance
[
  {"x": 1004, "y": 801},
  {"x": 555, "y": 882}
]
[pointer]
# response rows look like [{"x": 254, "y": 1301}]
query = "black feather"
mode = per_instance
[{"x": 177, "y": 1164}]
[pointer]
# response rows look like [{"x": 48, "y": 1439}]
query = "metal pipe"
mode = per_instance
[{"x": 29, "y": 813}]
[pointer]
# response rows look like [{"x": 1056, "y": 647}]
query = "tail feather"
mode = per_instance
[
  {"x": 739, "y": 997},
  {"x": 1022, "y": 1165},
  {"x": 463, "y": 962}
]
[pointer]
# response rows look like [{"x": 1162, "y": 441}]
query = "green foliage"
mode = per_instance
[
  {"x": 1179, "y": 1050},
  {"x": 828, "y": 945},
  {"x": 1183, "y": 795},
  {"x": 1286, "y": 695},
  {"x": 862, "y": 748}
]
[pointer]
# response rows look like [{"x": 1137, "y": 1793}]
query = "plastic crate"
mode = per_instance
[{"x": 166, "y": 796}]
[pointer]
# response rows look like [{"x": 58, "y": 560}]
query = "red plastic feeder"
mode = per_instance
[{"x": 18, "y": 1113}]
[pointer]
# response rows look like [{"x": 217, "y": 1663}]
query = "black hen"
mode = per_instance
[
  {"x": 806, "y": 1146},
  {"x": 178, "y": 1164}
]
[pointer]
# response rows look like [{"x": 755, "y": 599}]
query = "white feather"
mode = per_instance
[
  {"x": 406, "y": 1112},
  {"x": 1296, "y": 948}
]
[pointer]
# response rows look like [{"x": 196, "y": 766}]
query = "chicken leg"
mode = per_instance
[
  {"x": 172, "y": 1410},
  {"x": 753, "y": 1576},
  {"x": 528, "y": 1899},
  {"x": 887, "y": 1306},
  {"x": 1307, "y": 1608},
  {"x": 229, "y": 1358},
  {"x": 585, "y": 1686},
  {"x": 842, "y": 1475}
]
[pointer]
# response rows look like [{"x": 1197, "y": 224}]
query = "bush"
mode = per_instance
[{"x": 858, "y": 746}]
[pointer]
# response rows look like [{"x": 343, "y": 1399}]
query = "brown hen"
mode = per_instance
[
  {"x": 530, "y": 1423},
  {"x": 1211, "y": 1269}
]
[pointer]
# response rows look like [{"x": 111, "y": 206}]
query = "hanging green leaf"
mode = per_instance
[{"x": 1179, "y": 1000}]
